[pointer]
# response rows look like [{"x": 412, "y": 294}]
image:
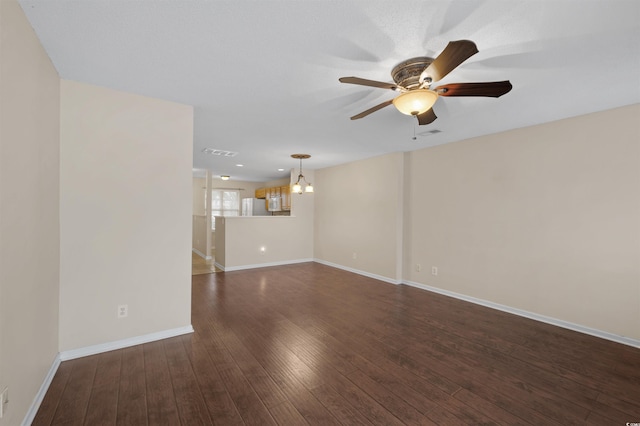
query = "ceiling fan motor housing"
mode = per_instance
[{"x": 407, "y": 73}]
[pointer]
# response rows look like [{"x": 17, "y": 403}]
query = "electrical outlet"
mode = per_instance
[
  {"x": 262, "y": 250},
  {"x": 355, "y": 255},
  {"x": 418, "y": 267},
  {"x": 123, "y": 311},
  {"x": 434, "y": 270},
  {"x": 4, "y": 401}
]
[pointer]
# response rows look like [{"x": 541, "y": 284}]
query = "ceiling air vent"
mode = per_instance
[
  {"x": 219, "y": 152},
  {"x": 430, "y": 132}
]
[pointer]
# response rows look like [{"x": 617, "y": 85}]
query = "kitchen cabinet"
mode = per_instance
[{"x": 285, "y": 192}]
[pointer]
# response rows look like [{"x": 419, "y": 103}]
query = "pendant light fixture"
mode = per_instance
[{"x": 297, "y": 187}]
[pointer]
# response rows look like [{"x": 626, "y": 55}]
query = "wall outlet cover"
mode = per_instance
[{"x": 123, "y": 311}]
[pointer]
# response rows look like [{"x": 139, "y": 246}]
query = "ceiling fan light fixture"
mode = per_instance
[{"x": 415, "y": 102}]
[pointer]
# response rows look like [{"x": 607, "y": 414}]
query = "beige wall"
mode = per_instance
[
  {"x": 280, "y": 182},
  {"x": 199, "y": 193},
  {"x": 285, "y": 238},
  {"x": 29, "y": 201},
  {"x": 125, "y": 208},
  {"x": 359, "y": 211},
  {"x": 199, "y": 229},
  {"x": 544, "y": 219}
]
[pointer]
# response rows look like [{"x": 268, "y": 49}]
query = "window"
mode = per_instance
[{"x": 224, "y": 203}]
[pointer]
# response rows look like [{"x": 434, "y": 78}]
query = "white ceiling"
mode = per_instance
[{"x": 263, "y": 75}]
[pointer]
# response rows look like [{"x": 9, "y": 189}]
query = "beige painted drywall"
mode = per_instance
[
  {"x": 545, "y": 219},
  {"x": 199, "y": 193},
  {"x": 199, "y": 231},
  {"x": 280, "y": 182},
  {"x": 29, "y": 201},
  {"x": 285, "y": 238},
  {"x": 125, "y": 214},
  {"x": 358, "y": 210}
]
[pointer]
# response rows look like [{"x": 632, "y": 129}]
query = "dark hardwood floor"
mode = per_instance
[{"x": 310, "y": 344}]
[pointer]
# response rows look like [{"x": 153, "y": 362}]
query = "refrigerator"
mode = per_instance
[{"x": 254, "y": 207}]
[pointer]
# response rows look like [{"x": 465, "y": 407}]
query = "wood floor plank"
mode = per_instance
[
  {"x": 132, "y": 402},
  {"x": 50, "y": 402},
  {"x": 305, "y": 401},
  {"x": 189, "y": 401},
  {"x": 161, "y": 400},
  {"x": 311, "y": 344},
  {"x": 391, "y": 402},
  {"x": 72, "y": 407},
  {"x": 221, "y": 408},
  {"x": 286, "y": 414},
  {"x": 247, "y": 402},
  {"x": 339, "y": 406},
  {"x": 262, "y": 384},
  {"x": 103, "y": 403},
  {"x": 294, "y": 377}
]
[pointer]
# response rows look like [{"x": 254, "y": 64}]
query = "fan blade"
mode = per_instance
[
  {"x": 493, "y": 89},
  {"x": 426, "y": 117},
  {"x": 364, "y": 82},
  {"x": 373, "y": 109},
  {"x": 453, "y": 55}
]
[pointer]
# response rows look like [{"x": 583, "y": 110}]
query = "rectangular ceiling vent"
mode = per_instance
[
  {"x": 219, "y": 152},
  {"x": 430, "y": 132}
]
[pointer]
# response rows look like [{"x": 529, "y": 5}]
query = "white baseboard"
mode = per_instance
[
  {"x": 526, "y": 314},
  {"x": 124, "y": 343},
  {"x": 202, "y": 255},
  {"x": 35, "y": 405},
  {"x": 262, "y": 265},
  {"x": 359, "y": 272}
]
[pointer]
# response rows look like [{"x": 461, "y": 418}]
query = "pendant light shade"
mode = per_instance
[{"x": 415, "y": 102}]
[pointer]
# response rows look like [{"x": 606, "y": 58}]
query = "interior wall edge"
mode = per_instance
[
  {"x": 530, "y": 315},
  {"x": 359, "y": 272},
  {"x": 202, "y": 255},
  {"x": 37, "y": 400},
  {"x": 262, "y": 265},
  {"x": 124, "y": 343}
]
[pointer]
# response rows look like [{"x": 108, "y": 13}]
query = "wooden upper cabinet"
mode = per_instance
[{"x": 285, "y": 192}]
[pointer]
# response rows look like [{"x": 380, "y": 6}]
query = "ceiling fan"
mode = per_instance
[{"x": 413, "y": 78}]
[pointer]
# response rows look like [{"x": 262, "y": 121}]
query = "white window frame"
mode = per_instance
[{"x": 224, "y": 210}]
